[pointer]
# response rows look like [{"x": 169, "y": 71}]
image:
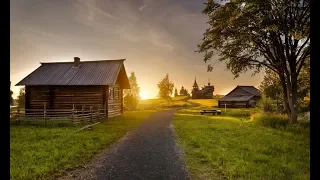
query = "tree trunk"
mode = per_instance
[
  {"x": 294, "y": 98},
  {"x": 289, "y": 95}
]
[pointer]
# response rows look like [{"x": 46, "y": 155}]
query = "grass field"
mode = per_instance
[
  {"x": 179, "y": 101},
  {"x": 231, "y": 146},
  {"x": 43, "y": 152}
]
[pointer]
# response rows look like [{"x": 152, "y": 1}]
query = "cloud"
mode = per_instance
[
  {"x": 142, "y": 7},
  {"x": 88, "y": 12}
]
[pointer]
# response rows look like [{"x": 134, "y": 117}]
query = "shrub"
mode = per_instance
[
  {"x": 280, "y": 121},
  {"x": 266, "y": 104}
]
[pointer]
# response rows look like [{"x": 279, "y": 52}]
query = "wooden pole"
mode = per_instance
[
  {"x": 82, "y": 111},
  {"x": 72, "y": 112},
  {"x": 91, "y": 112},
  {"x": 18, "y": 114},
  {"x": 44, "y": 113},
  {"x": 225, "y": 107}
]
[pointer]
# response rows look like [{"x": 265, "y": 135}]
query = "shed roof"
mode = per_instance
[
  {"x": 236, "y": 98},
  {"x": 101, "y": 72},
  {"x": 250, "y": 89}
]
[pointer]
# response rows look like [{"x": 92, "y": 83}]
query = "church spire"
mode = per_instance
[{"x": 195, "y": 85}]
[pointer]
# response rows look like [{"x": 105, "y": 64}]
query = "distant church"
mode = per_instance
[{"x": 205, "y": 93}]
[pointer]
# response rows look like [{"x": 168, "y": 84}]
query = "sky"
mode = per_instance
[{"x": 155, "y": 38}]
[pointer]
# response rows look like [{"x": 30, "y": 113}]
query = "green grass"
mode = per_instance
[
  {"x": 231, "y": 146},
  {"x": 161, "y": 104},
  {"x": 42, "y": 152}
]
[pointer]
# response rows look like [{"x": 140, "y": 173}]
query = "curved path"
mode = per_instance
[{"x": 147, "y": 152}]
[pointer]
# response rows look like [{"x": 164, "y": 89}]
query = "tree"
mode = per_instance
[
  {"x": 21, "y": 97},
  {"x": 11, "y": 99},
  {"x": 131, "y": 96},
  {"x": 256, "y": 34},
  {"x": 182, "y": 91},
  {"x": 175, "y": 92},
  {"x": 271, "y": 84},
  {"x": 165, "y": 88}
]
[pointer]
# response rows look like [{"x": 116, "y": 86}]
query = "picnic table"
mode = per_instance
[{"x": 210, "y": 111}]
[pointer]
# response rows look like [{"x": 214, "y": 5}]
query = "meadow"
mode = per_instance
[
  {"x": 43, "y": 152},
  {"x": 157, "y": 103},
  {"x": 236, "y": 145}
]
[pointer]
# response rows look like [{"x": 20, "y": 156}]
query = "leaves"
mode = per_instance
[{"x": 165, "y": 88}]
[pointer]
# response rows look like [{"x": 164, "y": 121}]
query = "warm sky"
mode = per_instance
[{"x": 155, "y": 38}]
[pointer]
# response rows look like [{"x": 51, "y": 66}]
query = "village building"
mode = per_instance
[
  {"x": 205, "y": 93},
  {"x": 68, "y": 85},
  {"x": 240, "y": 97}
]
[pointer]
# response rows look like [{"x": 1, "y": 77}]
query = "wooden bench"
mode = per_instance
[{"x": 210, "y": 111}]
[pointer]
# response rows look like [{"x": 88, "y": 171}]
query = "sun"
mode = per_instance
[{"x": 144, "y": 94}]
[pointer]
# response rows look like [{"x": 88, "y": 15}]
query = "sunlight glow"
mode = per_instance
[{"x": 144, "y": 94}]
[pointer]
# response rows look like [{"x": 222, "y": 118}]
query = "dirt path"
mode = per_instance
[{"x": 147, "y": 152}]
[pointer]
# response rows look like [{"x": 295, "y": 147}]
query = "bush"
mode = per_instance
[
  {"x": 266, "y": 104},
  {"x": 280, "y": 121}
]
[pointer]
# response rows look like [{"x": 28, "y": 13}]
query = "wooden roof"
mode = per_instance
[
  {"x": 250, "y": 92},
  {"x": 101, "y": 72}
]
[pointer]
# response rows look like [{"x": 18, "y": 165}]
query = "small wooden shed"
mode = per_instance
[
  {"x": 64, "y": 85},
  {"x": 240, "y": 97}
]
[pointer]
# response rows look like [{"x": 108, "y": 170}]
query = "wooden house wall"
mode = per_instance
[
  {"x": 64, "y": 97},
  {"x": 233, "y": 104},
  {"x": 115, "y": 100},
  {"x": 36, "y": 97},
  {"x": 67, "y": 96}
]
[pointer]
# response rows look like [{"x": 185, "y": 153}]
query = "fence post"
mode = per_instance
[
  {"x": 44, "y": 113},
  {"x": 82, "y": 112},
  {"x": 18, "y": 114},
  {"x": 225, "y": 107},
  {"x": 91, "y": 112},
  {"x": 73, "y": 113}
]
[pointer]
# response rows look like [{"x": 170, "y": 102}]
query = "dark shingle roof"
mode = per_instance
[
  {"x": 104, "y": 72},
  {"x": 250, "y": 89}
]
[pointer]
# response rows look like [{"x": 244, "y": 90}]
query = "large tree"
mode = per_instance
[
  {"x": 131, "y": 96},
  {"x": 165, "y": 88},
  {"x": 271, "y": 84},
  {"x": 254, "y": 34}
]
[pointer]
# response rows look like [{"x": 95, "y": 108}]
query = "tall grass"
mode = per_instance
[{"x": 281, "y": 122}]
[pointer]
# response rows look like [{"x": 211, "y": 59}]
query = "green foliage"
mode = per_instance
[
  {"x": 11, "y": 98},
  {"x": 165, "y": 88},
  {"x": 266, "y": 104},
  {"x": 131, "y": 96},
  {"x": 257, "y": 34},
  {"x": 175, "y": 92},
  {"x": 21, "y": 97},
  {"x": 184, "y": 92},
  {"x": 39, "y": 152}
]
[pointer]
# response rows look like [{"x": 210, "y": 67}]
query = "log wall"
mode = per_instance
[
  {"x": 114, "y": 101},
  {"x": 64, "y": 97}
]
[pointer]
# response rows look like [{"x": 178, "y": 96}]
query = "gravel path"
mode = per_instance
[{"x": 147, "y": 152}]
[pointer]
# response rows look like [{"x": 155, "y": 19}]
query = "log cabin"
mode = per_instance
[
  {"x": 68, "y": 85},
  {"x": 240, "y": 97}
]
